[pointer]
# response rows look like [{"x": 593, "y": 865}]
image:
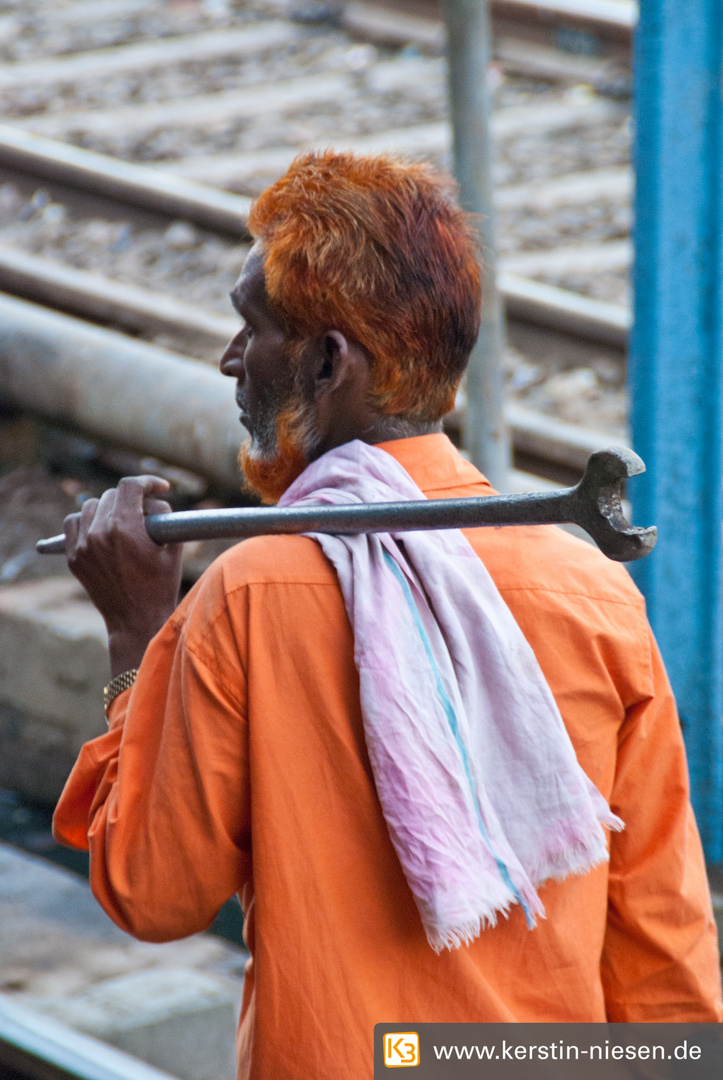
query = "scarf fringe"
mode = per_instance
[
  {"x": 612, "y": 822},
  {"x": 466, "y": 931},
  {"x": 533, "y": 907},
  {"x": 578, "y": 859},
  {"x": 463, "y": 933}
]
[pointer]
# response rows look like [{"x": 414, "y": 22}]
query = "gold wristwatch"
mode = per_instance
[{"x": 116, "y": 686}]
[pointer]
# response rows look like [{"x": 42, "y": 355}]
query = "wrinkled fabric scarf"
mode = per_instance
[{"x": 477, "y": 777}]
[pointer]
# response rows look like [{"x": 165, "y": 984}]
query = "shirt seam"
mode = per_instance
[
  {"x": 275, "y": 581},
  {"x": 179, "y": 622},
  {"x": 213, "y": 671},
  {"x": 633, "y": 602},
  {"x": 207, "y": 661},
  {"x": 431, "y": 490}
]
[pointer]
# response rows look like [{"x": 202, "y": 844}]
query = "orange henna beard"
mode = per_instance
[{"x": 270, "y": 476}]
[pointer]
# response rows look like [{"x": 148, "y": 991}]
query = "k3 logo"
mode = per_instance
[{"x": 401, "y": 1049}]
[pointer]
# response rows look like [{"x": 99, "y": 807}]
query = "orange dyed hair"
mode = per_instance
[{"x": 377, "y": 248}]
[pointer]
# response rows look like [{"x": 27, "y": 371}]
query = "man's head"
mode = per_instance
[{"x": 365, "y": 289}]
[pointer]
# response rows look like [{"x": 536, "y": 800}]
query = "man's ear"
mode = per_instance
[
  {"x": 333, "y": 358},
  {"x": 329, "y": 351}
]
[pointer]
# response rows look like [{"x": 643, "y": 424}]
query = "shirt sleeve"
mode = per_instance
[
  {"x": 660, "y": 960},
  {"x": 162, "y": 800}
]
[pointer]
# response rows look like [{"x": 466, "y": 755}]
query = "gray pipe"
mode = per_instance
[
  {"x": 136, "y": 395},
  {"x": 468, "y": 57}
]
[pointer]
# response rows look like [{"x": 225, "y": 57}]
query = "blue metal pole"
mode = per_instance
[{"x": 676, "y": 368}]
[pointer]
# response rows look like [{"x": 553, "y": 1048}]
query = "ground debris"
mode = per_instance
[{"x": 33, "y": 505}]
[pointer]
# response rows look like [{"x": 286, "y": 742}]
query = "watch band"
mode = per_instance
[{"x": 116, "y": 686}]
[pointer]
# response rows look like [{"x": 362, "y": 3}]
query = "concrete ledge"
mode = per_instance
[
  {"x": 174, "y": 1006},
  {"x": 53, "y": 666},
  {"x": 31, "y": 1045},
  {"x": 181, "y": 1020}
]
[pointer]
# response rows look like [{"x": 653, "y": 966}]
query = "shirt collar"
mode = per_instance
[{"x": 434, "y": 463}]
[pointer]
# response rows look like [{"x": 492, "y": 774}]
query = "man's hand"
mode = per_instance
[{"x": 133, "y": 581}]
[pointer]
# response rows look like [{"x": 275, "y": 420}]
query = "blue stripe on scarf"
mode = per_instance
[{"x": 454, "y": 727}]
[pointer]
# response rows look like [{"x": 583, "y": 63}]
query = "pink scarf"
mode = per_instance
[{"x": 479, "y": 784}]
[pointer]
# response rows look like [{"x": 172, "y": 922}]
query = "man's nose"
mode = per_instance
[{"x": 232, "y": 361}]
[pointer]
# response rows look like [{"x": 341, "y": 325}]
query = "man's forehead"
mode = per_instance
[{"x": 250, "y": 287}]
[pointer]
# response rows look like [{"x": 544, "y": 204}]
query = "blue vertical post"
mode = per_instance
[{"x": 676, "y": 368}]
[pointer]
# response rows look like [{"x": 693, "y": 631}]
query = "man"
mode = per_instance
[{"x": 237, "y": 760}]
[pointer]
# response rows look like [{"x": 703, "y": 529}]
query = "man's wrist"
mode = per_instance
[{"x": 127, "y": 648}]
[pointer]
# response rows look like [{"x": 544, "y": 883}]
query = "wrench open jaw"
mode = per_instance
[
  {"x": 594, "y": 504},
  {"x": 599, "y": 505}
]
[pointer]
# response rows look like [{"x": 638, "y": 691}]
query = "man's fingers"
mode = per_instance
[
  {"x": 71, "y": 526},
  {"x": 132, "y": 495},
  {"x": 76, "y": 527},
  {"x": 156, "y": 506},
  {"x": 132, "y": 490},
  {"x": 103, "y": 509},
  {"x": 119, "y": 512},
  {"x": 85, "y": 519}
]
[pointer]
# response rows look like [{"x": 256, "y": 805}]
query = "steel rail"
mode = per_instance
[
  {"x": 609, "y": 18},
  {"x": 91, "y": 296},
  {"x": 123, "y": 182},
  {"x": 253, "y": 39},
  {"x": 530, "y": 38},
  {"x": 611, "y": 21},
  {"x": 34, "y": 1047}
]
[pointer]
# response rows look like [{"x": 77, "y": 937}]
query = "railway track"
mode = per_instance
[
  {"x": 32, "y": 1047},
  {"x": 122, "y": 128}
]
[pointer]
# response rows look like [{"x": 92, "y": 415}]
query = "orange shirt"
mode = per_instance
[{"x": 237, "y": 763}]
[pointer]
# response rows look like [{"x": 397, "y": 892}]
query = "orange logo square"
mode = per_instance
[{"x": 401, "y": 1049}]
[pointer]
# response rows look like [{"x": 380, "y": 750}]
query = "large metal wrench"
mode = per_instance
[{"x": 594, "y": 504}]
